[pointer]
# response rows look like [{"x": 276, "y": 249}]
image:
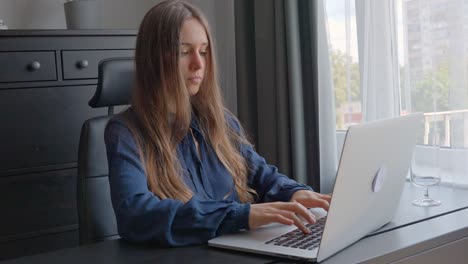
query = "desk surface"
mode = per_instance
[
  {"x": 452, "y": 200},
  {"x": 413, "y": 230}
]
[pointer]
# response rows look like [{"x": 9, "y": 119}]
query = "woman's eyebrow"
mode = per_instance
[{"x": 190, "y": 44}]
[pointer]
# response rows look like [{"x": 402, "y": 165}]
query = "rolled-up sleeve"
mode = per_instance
[{"x": 142, "y": 216}]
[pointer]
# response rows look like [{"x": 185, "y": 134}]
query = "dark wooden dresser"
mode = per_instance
[{"x": 46, "y": 80}]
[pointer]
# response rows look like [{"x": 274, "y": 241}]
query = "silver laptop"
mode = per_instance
[{"x": 374, "y": 163}]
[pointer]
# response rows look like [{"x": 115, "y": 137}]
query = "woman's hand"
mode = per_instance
[
  {"x": 286, "y": 213},
  {"x": 310, "y": 199}
]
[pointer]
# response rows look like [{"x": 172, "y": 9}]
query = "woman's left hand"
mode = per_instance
[{"x": 311, "y": 199}]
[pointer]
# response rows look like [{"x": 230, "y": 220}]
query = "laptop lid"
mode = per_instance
[
  {"x": 374, "y": 163},
  {"x": 373, "y": 167}
]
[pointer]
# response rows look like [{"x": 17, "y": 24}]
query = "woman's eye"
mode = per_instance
[
  {"x": 203, "y": 53},
  {"x": 184, "y": 52}
]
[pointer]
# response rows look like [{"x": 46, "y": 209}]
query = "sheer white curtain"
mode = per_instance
[
  {"x": 378, "y": 58},
  {"x": 326, "y": 95}
]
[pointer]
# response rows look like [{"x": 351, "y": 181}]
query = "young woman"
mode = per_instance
[{"x": 180, "y": 169}]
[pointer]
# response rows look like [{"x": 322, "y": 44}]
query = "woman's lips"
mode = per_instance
[{"x": 195, "y": 79}]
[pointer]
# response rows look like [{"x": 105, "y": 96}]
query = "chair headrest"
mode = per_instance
[{"x": 115, "y": 83}]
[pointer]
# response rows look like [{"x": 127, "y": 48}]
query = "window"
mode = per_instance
[{"x": 432, "y": 37}]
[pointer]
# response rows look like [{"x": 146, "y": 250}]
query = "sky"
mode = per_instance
[{"x": 337, "y": 29}]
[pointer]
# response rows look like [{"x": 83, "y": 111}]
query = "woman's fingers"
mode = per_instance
[
  {"x": 300, "y": 210},
  {"x": 326, "y": 197},
  {"x": 296, "y": 212},
  {"x": 279, "y": 218},
  {"x": 298, "y": 222},
  {"x": 286, "y": 213},
  {"x": 312, "y": 199},
  {"x": 317, "y": 202},
  {"x": 322, "y": 203},
  {"x": 288, "y": 218}
]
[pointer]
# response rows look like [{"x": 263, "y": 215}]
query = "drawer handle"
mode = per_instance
[
  {"x": 34, "y": 66},
  {"x": 82, "y": 64}
]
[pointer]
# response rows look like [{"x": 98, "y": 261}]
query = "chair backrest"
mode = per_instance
[{"x": 96, "y": 216}]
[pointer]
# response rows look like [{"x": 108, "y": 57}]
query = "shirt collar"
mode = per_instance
[{"x": 195, "y": 124}]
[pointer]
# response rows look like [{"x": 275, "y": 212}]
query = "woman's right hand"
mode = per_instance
[{"x": 286, "y": 213}]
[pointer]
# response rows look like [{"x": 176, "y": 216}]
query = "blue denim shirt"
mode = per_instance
[{"x": 142, "y": 216}]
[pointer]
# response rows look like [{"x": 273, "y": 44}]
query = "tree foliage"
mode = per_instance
[
  {"x": 431, "y": 94},
  {"x": 339, "y": 64}
]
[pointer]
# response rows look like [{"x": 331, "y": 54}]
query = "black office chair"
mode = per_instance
[{"x": 96, "y": 216}]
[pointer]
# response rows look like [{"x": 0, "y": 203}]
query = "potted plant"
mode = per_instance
[{"x": 81, "y": 14}]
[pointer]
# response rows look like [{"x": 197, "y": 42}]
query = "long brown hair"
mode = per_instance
[{"x": 163, "y": 106}]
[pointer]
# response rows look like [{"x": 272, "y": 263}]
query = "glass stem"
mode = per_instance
[{"x": 426, "y": 192}]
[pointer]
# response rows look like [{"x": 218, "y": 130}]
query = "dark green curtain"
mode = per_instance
[{"x": 277, "y": 83}]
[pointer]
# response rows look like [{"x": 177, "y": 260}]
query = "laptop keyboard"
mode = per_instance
[{"x": 297, "y": 239}]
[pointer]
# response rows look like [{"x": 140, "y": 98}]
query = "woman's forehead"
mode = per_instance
[{"x": 193, "y": 33}]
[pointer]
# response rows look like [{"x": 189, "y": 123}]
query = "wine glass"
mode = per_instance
[{"x": 425, "y": 172}]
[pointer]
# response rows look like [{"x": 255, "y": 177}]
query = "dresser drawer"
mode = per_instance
[
  {"x": 83, "y": 64},
  {"x": 41, "y": 126},
  {"x": 27, "y": 66}
]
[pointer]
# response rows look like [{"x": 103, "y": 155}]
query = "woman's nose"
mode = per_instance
[{"x": 196, "y": 62}]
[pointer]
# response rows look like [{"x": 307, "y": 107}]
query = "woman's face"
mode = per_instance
[{"x": 193, "y": 52}]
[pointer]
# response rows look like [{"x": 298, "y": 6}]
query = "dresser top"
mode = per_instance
[{"x": 65, "y": 32}]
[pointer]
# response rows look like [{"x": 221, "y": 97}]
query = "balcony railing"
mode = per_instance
[{"x": 446, "y": 135}]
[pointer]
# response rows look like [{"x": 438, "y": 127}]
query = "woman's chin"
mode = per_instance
[{"x": 193, "y": 90}]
